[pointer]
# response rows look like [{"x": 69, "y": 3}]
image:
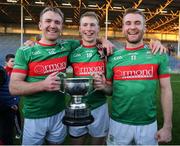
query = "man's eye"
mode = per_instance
[
  {"x": 127, "y": 23},
  {"x": 57, "y": 22},
  {"x": 138, "y": 22},
  {"x": 92, "y": 24},
  {"x": 48, "y": 20},
  {"x": 85, "y": 24}
]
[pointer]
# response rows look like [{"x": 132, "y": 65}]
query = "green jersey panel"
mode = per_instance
[
  {"x": 135, "y": 75},
  {"x": 37, "y": 63},
  {"x": 86, "y": 61}
]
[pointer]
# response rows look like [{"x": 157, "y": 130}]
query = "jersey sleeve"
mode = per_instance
[
  {"x": 109, "y": 71},
  {"x": 73, "y": 44},
  {"x": 21, "y": 62},
  {"x": 164, "y": 68},
  {"x": 110, "y": 64}
]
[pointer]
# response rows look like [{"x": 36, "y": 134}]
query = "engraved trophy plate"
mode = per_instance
[{"x": 77, "y": 112}]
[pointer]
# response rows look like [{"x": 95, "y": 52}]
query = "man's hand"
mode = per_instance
[
  {"x": 107, "y": 45},
  {"x": 164, "y": 135},
  {"x": 29, "y": 43},
  {"x": 156, "y": 46},
  {"x": 52, "y": 82},
  {"x": 14, "y": 107},
  {"x": 99, "y": 81}
]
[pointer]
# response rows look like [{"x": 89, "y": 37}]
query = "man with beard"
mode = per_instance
[{"x": 133, "y": 74}]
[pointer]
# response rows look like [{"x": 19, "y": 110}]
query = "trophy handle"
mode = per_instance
[
  {"x": 62, "y": 75},
  {"x": 94, "y": 90}
]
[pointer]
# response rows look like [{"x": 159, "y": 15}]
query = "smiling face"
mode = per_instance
[
  {"x": 89, "y": 30},
  {"x": 51, "y": 25},
  {"x": 133, "y": 29}
]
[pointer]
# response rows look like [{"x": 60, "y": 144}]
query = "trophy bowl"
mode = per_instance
[
  {"x": 78, "y": 86},
  {"x": 77, "y": 112}
]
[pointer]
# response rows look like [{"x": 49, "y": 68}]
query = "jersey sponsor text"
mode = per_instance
[
  {"x": 88, "y": 68},
  {"x": 136, "y": 72},
  {"x": 47, "y": 66}
]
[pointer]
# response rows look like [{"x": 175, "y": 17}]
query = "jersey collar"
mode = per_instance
[
  {"x": 88, "y": 46},
  {"x": 133, "y": 49},
  {"x": 42, "y": 44}
]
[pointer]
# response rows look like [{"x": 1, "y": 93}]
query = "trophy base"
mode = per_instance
[
  {"x": 77, "y": 122},
  {"x": 77, "y": 117}
]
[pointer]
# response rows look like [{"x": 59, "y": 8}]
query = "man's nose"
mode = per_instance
[
  {"x": 52, "y": 24},
  {"x": 132, "y": 26},
  {"x": 89, "y": 27}
]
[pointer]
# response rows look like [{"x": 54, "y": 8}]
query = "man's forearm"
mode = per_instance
[
  {"x": 25, "y": 88},
  {"x": 167, "y": 106}
]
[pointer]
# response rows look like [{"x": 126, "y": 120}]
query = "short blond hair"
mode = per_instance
[
  {"x": 52, "y": 9},
  {"x": 90, "y": 14}
]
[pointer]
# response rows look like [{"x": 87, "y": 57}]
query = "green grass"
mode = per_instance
[{"x": 175, "y": 82}]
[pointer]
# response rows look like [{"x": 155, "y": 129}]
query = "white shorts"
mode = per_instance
[
  {"x": 100, "y": 126},
  {"x": 37, "y": 130},
  {"x": 123, "y": 134}
]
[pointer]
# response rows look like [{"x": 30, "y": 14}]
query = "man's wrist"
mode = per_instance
[{"x": 167, "y": 126}]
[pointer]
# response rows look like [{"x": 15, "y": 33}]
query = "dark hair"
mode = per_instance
[
  {"x": 134, "y": 11},
  {"x": 90, "y": 14},
  {"x": 9, "y": 56},
  {"x": 53, "y": 9}
]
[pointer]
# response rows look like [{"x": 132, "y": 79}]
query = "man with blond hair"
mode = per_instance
[{"x": 35, "y": 78}]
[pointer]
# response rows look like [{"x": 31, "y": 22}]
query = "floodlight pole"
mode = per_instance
[
  {"x": 106, "y": 23},
  {"x": 22, "y": 30},
  {"x": 179, "y": 37}
]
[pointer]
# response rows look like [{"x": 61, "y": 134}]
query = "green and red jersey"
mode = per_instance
[
  {"x": 135, "y": 74},
  {"x": 85, "y": 61},
  {"x": 37, "y": 63}
]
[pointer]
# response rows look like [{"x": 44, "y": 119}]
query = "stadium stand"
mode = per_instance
[
  {"x": 174, "y": 64},
  {"x": 8, "y": 44}
]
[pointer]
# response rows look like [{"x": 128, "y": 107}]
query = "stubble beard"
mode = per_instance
[{"x": 138, "y": 40}]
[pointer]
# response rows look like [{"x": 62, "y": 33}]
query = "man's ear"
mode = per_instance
[
  {"x": 40, "y": 26},
  {"x": 80, "y": 30},
  {"x": 122, "y": 29},
  {"x": 61, "y": 29},
  {"x": 98, "y": 28},
  {"x": 145, "y": 28}
]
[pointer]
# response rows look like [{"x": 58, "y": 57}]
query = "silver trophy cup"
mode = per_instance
[{"x": 77, "y": 112}]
